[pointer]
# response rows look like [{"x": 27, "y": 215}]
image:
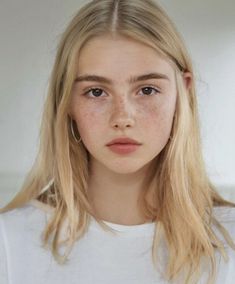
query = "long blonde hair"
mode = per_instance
[{"x": 184, "y": 196}]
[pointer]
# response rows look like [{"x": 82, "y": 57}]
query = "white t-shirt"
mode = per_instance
[{"x": 98, "y": 258}]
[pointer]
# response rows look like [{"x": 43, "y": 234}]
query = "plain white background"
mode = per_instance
[{"x": 30, "y": 31}]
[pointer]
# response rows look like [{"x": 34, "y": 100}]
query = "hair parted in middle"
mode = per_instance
[{"x": 184, "y": 196}]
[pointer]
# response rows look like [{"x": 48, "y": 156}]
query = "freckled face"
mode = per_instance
[{"x": 141, "y": 110}]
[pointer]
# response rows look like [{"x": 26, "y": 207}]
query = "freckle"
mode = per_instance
[{"x": 153, "y": 110}]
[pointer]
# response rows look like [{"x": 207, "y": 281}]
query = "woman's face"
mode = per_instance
[{"x": 120, "y": 106}]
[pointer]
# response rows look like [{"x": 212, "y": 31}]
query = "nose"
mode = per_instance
[{"x": 122, "y": 114}]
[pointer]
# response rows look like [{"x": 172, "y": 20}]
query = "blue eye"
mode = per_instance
[
  {"x": 147, "y": 91},
  {"x": 95, "y": 91}
]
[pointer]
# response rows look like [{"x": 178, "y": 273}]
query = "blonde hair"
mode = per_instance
[{"x": 184, "y": 196}]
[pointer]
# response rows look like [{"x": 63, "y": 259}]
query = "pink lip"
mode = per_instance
[
  {"x": 123, "y": 148},
  {"x": 123, "y": 140}
]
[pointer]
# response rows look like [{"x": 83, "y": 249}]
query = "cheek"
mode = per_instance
[
  {"x": 157, "y": 118},
  {"x": 86, "y": 121},
  {"x": 89, "y": 120}
]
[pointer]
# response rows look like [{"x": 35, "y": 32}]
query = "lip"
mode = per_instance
[
  {"x": 123, "y": 140},
  {"x": 123, "y": 148}
]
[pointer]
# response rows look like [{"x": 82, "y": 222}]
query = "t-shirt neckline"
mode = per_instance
[{"x": 140, "y": 229}]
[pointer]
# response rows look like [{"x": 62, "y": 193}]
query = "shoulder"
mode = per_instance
[
  {"x": 22, "y": 220},
  {"x": 20, "y": 235},
  {"x": 17, "y": 227},
  {"x": 32, "y": 208}
]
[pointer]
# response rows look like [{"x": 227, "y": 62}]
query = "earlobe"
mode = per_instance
[{"x": 187, "y": 76}]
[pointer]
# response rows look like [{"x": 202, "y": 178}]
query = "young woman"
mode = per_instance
[{"x": 119, "y": 192}]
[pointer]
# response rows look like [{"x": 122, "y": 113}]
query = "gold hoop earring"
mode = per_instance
[{"x": 72, "y": 130}]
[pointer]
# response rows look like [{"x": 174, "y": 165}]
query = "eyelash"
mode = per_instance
[{"x": 150, "y": 87}]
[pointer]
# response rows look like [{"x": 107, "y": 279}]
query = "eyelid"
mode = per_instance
[{"x": 151, "y": 86}]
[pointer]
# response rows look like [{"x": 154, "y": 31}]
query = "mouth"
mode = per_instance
[
  {"x": 123, "y": 141},
  {"x": 123, "y": 148}
]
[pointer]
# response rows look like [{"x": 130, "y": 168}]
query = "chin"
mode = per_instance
[{"x": 126, "y": 168}]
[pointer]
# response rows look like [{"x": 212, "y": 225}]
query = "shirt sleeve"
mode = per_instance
[{"x": 3, "y": 254}]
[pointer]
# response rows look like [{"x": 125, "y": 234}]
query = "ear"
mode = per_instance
[{"x": 188, "y": 78}]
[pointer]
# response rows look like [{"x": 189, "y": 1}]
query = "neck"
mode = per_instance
[{"x": 114, "y": 196}]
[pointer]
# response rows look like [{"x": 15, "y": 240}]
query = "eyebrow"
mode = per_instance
[{"x": 133, "y": 79}]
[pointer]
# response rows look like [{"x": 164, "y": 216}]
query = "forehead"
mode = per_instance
[{"x": 121, "y": 56}]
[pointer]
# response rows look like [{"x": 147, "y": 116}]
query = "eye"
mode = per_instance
[
  {"x": 97, "y": 92},
  {"x": 94, "y": 91},
  {"x": 149, "y": 91}
]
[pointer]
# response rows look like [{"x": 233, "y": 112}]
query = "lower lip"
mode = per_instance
[{"x": 123, "y": 148}]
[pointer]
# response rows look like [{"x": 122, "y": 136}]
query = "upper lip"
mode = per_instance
[{"x": 123, "y": 140}]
